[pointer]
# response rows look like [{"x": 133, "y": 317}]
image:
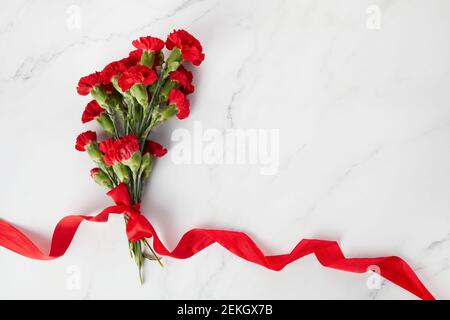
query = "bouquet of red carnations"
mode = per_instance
[{"x": 131, "y": 97}]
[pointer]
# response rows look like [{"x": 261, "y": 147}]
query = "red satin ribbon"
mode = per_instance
[{"x": 138, "y": 227}]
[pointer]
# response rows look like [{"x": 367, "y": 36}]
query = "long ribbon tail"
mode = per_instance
[
  {"x": 327, "y": 252},
  {"x": 15, "y": 240}
]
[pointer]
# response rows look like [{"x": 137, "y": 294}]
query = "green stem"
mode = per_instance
[
  {"x": 113, "y": 120},
  {"x": 142, "y": 128},
  {"x": 147, "y": 119},
  {"x": 154, "y": 253}
]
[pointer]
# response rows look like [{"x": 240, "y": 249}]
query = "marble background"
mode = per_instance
[{"x": 364, "y": 119}]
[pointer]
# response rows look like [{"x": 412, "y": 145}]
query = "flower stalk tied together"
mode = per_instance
[{"x": 132, "y": 96}]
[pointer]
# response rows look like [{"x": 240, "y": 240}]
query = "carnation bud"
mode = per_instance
[
  {"x": 101, "y": 178},
  {"x": 146, "y": 165},
  {"x": 148, "y": 58},
  {"x": 140, "y": 93},
  {"x": 106, "y": 123},
  {"x": 122, "y": 172},
  {"x": 99, "y": 94},
  {"x": 134, "y": 162},
  {"x": 94, "y": 152}
]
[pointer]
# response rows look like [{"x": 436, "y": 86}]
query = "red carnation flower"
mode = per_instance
[
  {"x": 177, "y": 98},
  {"x": 115, "y": 151},
  {"x": 184, "y": 78},
  {"x": 137, "y": 74},
  {"x": 149, "y": 44},
  {"x": 155, "y": 149},
  {"x": 134, "y": 57},
  {"x": 191, "y": 49},
  {"x": 107, "y": 147},
  {"x": 84, "y": 139},
  {"x": 108, "y": 87},
  {"x": 92, "y": 111},
  {"x": 118, "y": 67},
  {"x": 113, "y": 69},
  {"x": 86, "y": 84}
]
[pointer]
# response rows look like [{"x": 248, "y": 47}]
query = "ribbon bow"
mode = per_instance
[
  {"x": 138, "y": 226},
  {"x": 240, "y": 244}
]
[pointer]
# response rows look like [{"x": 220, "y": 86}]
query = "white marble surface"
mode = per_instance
[{"x": 363, "y": 116}]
